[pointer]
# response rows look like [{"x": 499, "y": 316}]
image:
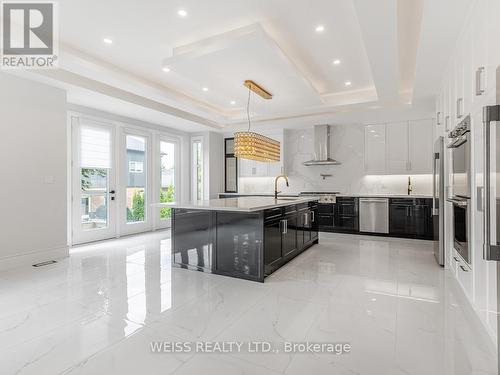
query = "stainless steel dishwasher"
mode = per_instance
[{"x": 374, "y": 215}]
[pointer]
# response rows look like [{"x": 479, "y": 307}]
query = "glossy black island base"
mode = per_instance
[{"x": 246, "y": 245}]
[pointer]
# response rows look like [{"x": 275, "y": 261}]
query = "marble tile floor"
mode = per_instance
[{"x": 98, "y": 311}]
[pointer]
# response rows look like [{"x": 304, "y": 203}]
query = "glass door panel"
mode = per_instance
[
  {"x": 167, "y": 178},
  {"x": 136, "y": 205},
  {"x": 93, "y": 182},
  {"x": 94, "y": 198}
]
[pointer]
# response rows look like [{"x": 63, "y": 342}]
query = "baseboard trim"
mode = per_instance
[{"x": 29, "y": 259}]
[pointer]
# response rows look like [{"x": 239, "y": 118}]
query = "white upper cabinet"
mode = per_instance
[
  {"x": 479, "y": 53},
  {"x": 375, "y": 145},
  {"x": 421, "y": 146},
  {"x": 397, "y": 147}
]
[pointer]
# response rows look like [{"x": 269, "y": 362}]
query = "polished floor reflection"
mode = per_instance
[{"x": 97, "y": 312}]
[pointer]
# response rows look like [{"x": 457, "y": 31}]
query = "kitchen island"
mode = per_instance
[{"x": 246, "y": 237}]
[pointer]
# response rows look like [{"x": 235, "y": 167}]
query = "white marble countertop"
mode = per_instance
[
  {"x": 241, "y": 204},
  {"x": 384, "y": 195},
  {"x": 357, "y": 195}
]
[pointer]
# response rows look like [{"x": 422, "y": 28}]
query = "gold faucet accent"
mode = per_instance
[
  {"x": 276, "y": 184},
  {"x": 410, "y": 188}
]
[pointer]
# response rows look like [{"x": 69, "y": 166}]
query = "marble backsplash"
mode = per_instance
[{"x": 348, "y": 178}]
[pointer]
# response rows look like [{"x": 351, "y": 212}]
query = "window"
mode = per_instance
[
  {"x": 136, "y": 166},
  {"x": 197, "y": 160},
  {"x": 136, "y": 179}
]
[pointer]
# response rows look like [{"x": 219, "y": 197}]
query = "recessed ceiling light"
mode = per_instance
[
  {"x": 166, "y": 69},
  {"x": 336, "y": 62},
  {"x": 107, "y": 41},
  {"x": 233, "y": 102},
  {"x": 348, "y": 83},
  {"x": 320, "y": 28},
  {"x": 182, "y": 12},
  {"x": 205, "y": 89}
]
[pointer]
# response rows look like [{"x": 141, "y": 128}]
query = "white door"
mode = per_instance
[
  {"x": 169, "y": 175},
  {"x": 93, "y": 181}
]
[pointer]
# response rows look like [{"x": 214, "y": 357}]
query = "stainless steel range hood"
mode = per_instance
[{"x": 322, "y": 143}]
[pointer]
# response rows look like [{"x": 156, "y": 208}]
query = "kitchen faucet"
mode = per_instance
[
  {"x": 276, "y": 184},
  {"x": 410, "y": 188}
]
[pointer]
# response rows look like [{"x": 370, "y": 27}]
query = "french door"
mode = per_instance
[
  {"x": 117, "y": 173},
  {"x": 94, "y": 181}
]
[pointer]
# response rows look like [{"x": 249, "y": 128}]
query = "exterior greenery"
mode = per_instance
[
  {"x": 136, "y": 213},
  {"x": 88, "y": 173},
  {"x": 166, "y": 196}
]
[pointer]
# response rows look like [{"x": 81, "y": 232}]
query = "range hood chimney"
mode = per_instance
[{"x": 322, "y": 142}]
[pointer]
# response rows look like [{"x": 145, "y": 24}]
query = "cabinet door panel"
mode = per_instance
[
  {"x": 399, "y": 223},
  {"x": 375, "y": 155},
  {"x": 421, "y": 146},
  {"x": 397, "y": 147},
  {"x": 290, "y": 237},
  {"x": 272, "y": 244}
]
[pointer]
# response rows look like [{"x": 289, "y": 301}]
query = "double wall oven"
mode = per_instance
[{"x": 460, "y": 146}]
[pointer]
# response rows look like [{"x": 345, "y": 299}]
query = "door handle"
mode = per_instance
[
  {"x": 285, "y": 227},
  {"x": 306, "y": 219},
  {"x": 312, "y": 216},
  {"x": 464, "y": 269},
  {"x": 434, "y": 183},
  {"x": 459, "y": 107},
  {"x": 479, "y": 85},
  {"x": 490, "y": 251},
  {"x": 112, "y": 192}
]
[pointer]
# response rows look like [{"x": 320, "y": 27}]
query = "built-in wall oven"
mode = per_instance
[
  {"x": 461, "y": 225},
  {"x": 460, "y": 146}
]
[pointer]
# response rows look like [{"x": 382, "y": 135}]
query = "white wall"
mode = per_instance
[
  {"x": 33, "y": 169},
  {"x": 213, "y": 163},
  {"x": 216, "y": 160},
  {"x": 349, "y": 177}
]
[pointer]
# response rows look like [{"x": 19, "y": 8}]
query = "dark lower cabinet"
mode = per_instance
[
  {"x": 288, "y": 234},
  {"x": 410, "y": 218},
  {"x": 193, "y": 243},
  {"x": 347, "y": 215},
  {"x": 272, "y": 245},
  {"x": 239, "y": 236},
  {"x": 313, "y": 208}
]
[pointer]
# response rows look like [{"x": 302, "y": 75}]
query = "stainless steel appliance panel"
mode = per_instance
[
  {"x": 438, "y": 200},
  {"x": 374, "y": 215},
  {"x": 491, "y": 119},
  {"x": 461, "y": 227},
  {"x": 460, "y": 146}
]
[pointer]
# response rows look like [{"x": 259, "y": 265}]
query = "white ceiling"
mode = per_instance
[{"x": 393, "y": 52}]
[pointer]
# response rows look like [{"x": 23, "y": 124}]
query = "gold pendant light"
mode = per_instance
[{"x": 255, "y": 146}]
